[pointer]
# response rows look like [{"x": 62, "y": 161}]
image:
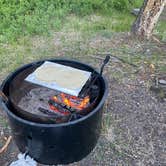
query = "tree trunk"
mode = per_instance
[{"x": 147, "y": 18}]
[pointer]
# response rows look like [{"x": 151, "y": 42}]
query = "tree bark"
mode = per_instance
[{"x": 148, "y": 17}]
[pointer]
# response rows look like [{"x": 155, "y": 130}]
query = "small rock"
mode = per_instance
[
  {"x": 135, "y": 11},
  {"x": 162, "y": 81}
]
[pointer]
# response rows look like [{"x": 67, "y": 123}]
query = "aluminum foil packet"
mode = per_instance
[{"x": 59, "y": 77}]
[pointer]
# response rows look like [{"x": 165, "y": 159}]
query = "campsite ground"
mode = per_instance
[{"x": 134, "y": 117}]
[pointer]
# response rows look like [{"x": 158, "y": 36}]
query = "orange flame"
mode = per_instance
[{"x": 72, "y": 101}]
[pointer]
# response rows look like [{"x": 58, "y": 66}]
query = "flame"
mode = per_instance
[
  {"x": 84, "y": 102},
  {"x": 58, "y": 111},
  {"x": 71, "y": 101},
  {"x": 75, "y": 102}
]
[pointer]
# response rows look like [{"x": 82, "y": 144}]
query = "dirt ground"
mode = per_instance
[{"x": 134, "y": 117}]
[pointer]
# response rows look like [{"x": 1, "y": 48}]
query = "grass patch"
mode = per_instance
[
  {"x": 97, "y": 23},
  {"x": 4, "y": 123},
  {"x": 24, "y": 18},
  {"x": 160, "y": 30}
]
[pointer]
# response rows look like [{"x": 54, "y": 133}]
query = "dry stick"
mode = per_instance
[{"x": 6, "y": 144}]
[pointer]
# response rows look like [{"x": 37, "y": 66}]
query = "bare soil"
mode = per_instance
[{"x": 134, "y": 117}]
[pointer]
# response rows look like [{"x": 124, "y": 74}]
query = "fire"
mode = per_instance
[
  {"x": 70, "y": 102},
  {"x": 74, "y": 102}
]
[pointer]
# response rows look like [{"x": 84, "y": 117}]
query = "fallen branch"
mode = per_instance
[{"x": 6, "y": 144}]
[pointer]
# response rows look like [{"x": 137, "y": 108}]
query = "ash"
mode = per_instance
[{"x": 36, "y": 98}]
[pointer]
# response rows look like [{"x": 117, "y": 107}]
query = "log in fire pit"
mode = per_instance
[{"x": 65, "y": 128}]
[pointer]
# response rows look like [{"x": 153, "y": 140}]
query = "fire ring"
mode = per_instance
[{"x": 50, "y": 143}]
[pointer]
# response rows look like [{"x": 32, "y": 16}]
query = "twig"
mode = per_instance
[
  {"x": 124, "y": 151},
  {"x": 3, "y": 96},
  {"x": 97, "y": 57},
  {"x": 136, "y": 85},
  {"x": 156, "y": 40},
  {"x": 120, "y": 59},
  {"x": 6, "y": 144}
]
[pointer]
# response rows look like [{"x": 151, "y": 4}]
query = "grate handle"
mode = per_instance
[{"x": 106, "y": 60}]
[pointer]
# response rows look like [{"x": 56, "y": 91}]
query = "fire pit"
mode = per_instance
[{"x": 43, "y": 140}]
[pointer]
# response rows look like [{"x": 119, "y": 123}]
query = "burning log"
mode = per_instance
[{"x": 68, "y": 103}]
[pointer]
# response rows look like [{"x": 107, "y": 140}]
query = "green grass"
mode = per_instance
[
  {"x": 160, "y": 30},
  {"x": 28, "y": 18},
  {"x": 4, "y": 123},
  {"x": 35, "y": 17},
  {"x": 116, "y": 22}
]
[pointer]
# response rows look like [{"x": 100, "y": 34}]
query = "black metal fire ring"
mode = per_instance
[
  {"x": 53, "y": 144},
  {"x": 12, "y": 75}
]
